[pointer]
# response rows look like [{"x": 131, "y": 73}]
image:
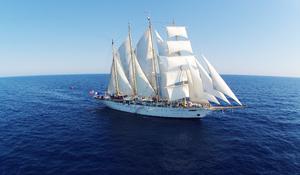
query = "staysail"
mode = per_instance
[
  {"x": 144, "y": 53},
  {"x": 197, "y": 91},
  {"x": 219, "y": 83},
  {"x": 118, "y": 83},
  {"x": 133, "y": 71},
  {"x": 125, "y": 57},
  {"x": 161, "y": 45},
  {"x": 208, "y": 84}
]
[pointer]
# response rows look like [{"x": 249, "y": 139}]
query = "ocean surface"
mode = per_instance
[{"x": 50, "y": 125}]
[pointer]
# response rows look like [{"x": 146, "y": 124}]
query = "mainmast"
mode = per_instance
[
  {"x": 153, "y": 60},
  {"x": 132, "y": 62},
  {"x": 115, "y": 69}
]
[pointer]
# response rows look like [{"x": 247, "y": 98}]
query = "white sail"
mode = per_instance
[
  {"x": 173, "y": 78},
  {"x": 208, "y": 84},
  {"x": 132, "y": 66},
  {"x": 118, "y": 76},
  {"x": 211, "y": 98},
  {"x": 169, "y": 63},
  {"x": 197, "y": 93},
  {"x": 178, "y": 92},
  {"x": 161, "y": 45},
  {"x": 111, "y": 89},
  {"x": 195, "y": 87},
  {"x": 179, "y": 46},
  {"x": 219, "y": 83},
  {"x": 184, "y": 88},
  {"x": 183, "y": 70},
  {"x": 176, "y": 84},
  {"x": 143, "y": 86},
  {"x": 175, "y": 31},
  {"x": 172, "y": 70},
  {"x": 125, "y": 57},
  {"x": 145, "y": 56}
]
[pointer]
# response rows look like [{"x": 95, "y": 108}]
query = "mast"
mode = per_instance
[
  {"x": 132, "y": 62},
  {"x": 115, "y": 69},
  {"x": 179, "y": 54},
  {"x": 176, "y": 37},
  {"x": 153, "y": 60}
]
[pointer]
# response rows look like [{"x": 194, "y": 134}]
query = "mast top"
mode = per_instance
[
  {"x": 129, "y": 27},
  {"x": 149, "y": 20}
]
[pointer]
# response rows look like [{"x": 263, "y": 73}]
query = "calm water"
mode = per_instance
[{"x": 46, "y": 127}]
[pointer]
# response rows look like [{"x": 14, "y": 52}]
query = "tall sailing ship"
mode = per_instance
[{"x": 163, "y": 78}]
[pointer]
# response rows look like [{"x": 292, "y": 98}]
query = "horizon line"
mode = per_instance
[{"x": 66, "y": 74}]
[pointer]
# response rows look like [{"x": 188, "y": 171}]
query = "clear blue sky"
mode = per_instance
[{"x": 253, "y": 37}]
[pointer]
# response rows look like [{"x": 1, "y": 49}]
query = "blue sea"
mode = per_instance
[{"x": 50, "y": 125}]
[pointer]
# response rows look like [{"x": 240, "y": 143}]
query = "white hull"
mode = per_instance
[{"x": 157, "y": 111}]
